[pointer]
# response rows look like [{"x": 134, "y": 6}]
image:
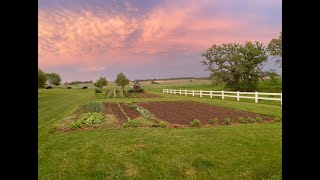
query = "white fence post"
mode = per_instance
[
  {"x": 222, "y": 94},
  {"x": 200, "y": 93},
  {"x": 185, "y": 92},
  {"x": 210, "y": 93},
  {"x": 238, "y": 98},
  {"x": 180, "y": 91},
  {"x": 192, "y": 92},
  {"x": 174, "y": 91},
  {"x": 281, "y": 98},
  {"x": 256, "y": 97}
]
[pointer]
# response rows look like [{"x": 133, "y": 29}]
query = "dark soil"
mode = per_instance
[
  {"x": 118, "y": 113},
  {"x": 113, "y": 108},
  {"x": 132, "y": 113},
  {"x": 183, "y": 112}
]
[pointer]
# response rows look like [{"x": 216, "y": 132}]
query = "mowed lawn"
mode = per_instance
[{"x": 251, "y": 151}]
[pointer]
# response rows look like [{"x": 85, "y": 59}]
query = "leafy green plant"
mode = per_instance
[
  {"x": 242, "y": 120},
  {"x": 228, "y": 121},
  {"x": 277, "y": 119},
  {"x": 88, "y": 119},
  {"x": 258, "y": 119},
  {"x": 251, "y": 120},
  {"x": 214, "y": 121},
  {"x": 95, "y": 107},
  {"x": 195, "y": 123},
  {"x": 162, "y": 124}
]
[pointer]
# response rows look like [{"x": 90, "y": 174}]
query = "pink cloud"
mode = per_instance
[{"x": 67, "y": 37}]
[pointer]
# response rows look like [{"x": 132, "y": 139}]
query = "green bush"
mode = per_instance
[
  {"x": 214, "y": 121},
  {"x": 242, "y": 120},
  {"x": 95, "y": 107},
  {"x": 87, "y": 119},
  {"x": 258, "y": 119},
  {"x": 195, "y": 123},
  {"x": 251, "y": 120},
  {"x": 228, "y": 121},
  {"x": 277, "y": 119},
  {"x": 98, "y": 90}
]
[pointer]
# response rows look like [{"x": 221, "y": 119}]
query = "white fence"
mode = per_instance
[{"x": 223, "y": 94}]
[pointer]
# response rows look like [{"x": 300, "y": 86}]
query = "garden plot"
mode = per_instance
[{"x": 184, "y": 112}]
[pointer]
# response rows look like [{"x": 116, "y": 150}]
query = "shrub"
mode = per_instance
[
  {"x": 242, "y": 120},
  {"x": 214, "y": 121},
  {"x": 277, "y": 119},
  {"x": 258, "y": 119},
  {"x": 95, "y": 107},
  {"x": 87, "y": 119},
  {"x": 251, "y": 120},
  {"x": 228, "y": 121},
  {"x": 195, "y": 123},
  {"x": 98, "y": 90}
]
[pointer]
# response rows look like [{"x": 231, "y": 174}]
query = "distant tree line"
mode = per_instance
[
  {"x": 176, "y": 78},
  {"x": 78, "y": 82}
]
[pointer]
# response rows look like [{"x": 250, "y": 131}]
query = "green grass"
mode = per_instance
[{"x": 249, "y": 151}]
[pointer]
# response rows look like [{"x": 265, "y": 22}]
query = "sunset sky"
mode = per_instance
[{"x": 87, "y": 39}]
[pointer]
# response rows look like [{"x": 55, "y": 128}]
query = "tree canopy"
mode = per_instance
[
  {"x": 41, "y": 78},
  {"x": 238, "y": 66},
  {"x": 275, "y": 48},
  {"x": 121, "y": 80},
  {"x": 54, "y": 78},
  {"x": 101, "y": 82}
]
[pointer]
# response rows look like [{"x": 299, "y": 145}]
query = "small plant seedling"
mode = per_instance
[
  {"x": 258, "y": 119},
  {"x": 251, "y": 120},
  {"x": 214, "y": 121},
  {"x": 195, "y": 123},
  {"x": 242, "y": 120},
  {"x": 228, "y": 121},
  {"x": 277, "y": 119}
]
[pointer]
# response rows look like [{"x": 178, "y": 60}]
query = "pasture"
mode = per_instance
[{"x": 111, "y": 150}]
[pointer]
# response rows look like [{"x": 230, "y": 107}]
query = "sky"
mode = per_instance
[{"x": 144, "y": 39}]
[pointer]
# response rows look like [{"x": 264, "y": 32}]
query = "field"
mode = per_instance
[{"x": 111, "y": 151}]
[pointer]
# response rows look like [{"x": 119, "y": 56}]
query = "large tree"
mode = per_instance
[
  {"x": 101, "y": 82},
  {"x": 54, "y": 78},
  {"x": 275, "y": 48},
  {"x": 238, "y": 66},
  {"x": 121, "y": 80},
  {"x": 41, "y": 78}
]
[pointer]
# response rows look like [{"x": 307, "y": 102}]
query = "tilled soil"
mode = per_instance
[
  {"x": 113, "y": 108},
  {"x": 132, "y": 113},
  {"x": 183, "y": 112}
]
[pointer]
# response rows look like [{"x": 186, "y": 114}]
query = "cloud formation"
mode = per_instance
[{"x": 124, "y": 31}]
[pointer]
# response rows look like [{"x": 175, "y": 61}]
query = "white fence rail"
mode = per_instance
[{"x": 223, "y": 94}]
